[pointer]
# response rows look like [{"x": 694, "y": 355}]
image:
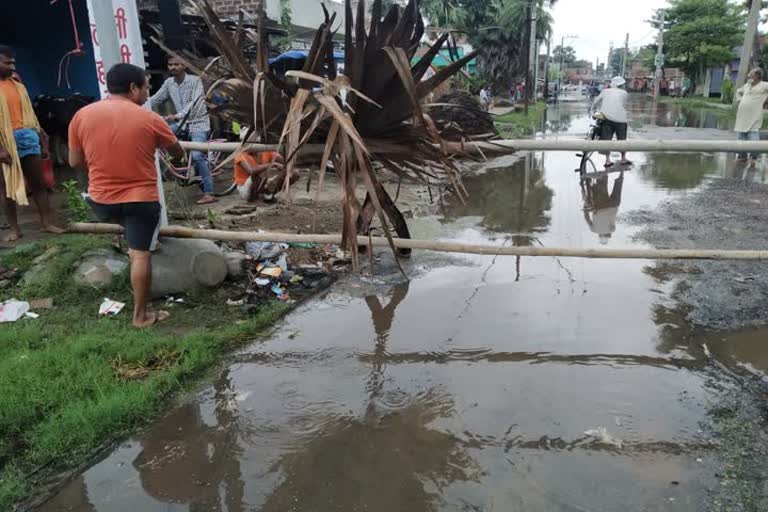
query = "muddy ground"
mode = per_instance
[
  {"x": 726, "y": 214},
  {"x": 304, "y": 211}
]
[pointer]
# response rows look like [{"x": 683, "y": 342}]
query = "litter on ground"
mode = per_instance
[
  {"x": 11, "y": 310},
  {"x": 110, "y": 307}
]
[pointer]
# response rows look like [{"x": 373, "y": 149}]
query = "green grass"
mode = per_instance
[
  {"x": 518, "y": 124},
  {"x": 60, "y": 396},
  {"x": 699, "y": 103}
]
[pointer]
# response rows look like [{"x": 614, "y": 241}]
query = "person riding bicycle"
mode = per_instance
[
  {"x": 191, "y": 119},
  {"x": 612, "y": 104},
  {"x": 594, "y": 91}
]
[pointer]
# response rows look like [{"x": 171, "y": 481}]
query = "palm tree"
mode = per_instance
[{"x": 499, "y": 29}]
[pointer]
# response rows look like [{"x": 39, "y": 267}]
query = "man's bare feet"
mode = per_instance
[
  {"x": 14, "y": 236},
  {"x": 151, "y": 318},
  {"x": 52, "y": 228},
  {"x": 207, "y": 199}
]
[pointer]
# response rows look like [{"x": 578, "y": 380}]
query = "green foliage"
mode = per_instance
[
  {"x": 647, "y": 56},
  {"x": 386, "y": 5},
  {"x": 60, "y": 394},
  {"x": 517, "y": 124},
  {"x": 286, "y": 23},
  {"x": 701, "y": 33},
  {"x": 727, "y": 91},
  {"x": 762, "y": 57},
  {"x": 566, "y": 55},
  {"x": 615, "y": 63},
  {"x": 212, "y": 217},
  {"x": 498, "y": 29},
  {"x": 469, "y": 84},
  {"x": 77, "y": 208}
]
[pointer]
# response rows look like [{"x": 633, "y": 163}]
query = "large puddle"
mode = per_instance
[{"x": 536, "y": 384}]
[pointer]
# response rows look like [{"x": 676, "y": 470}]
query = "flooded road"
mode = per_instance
[{"x": 536, "y": 384}]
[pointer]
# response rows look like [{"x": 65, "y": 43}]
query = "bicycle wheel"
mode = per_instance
[
  {"x": 223, "y": 186},
  {"x": 221, "y": 192},
  {"x": 586, "y": 156}
]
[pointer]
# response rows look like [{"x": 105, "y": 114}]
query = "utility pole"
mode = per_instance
[
  {"x": 749, "y": 41},
  {"x": 546, "y": 68},
  {"x": 536, "y": 72},
  {"x": 532, "y": 10},
  {"x": 562, "y": 65},
  {"x": 659, "y": 58},
  {"x": 624, "y": 60},
  {"x": 530, "y": 88},
  {"x": 608, "y": 66}
]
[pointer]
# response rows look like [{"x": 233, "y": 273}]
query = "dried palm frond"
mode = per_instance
[{"x": 371, "y": 112}]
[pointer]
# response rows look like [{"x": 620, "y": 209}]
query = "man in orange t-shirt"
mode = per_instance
[
  {"x": 116, "y": 140},
  {"x": 252, "y": 172}
]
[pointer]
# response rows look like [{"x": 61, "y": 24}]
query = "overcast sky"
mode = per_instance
[{"x": 598, "y": 22}]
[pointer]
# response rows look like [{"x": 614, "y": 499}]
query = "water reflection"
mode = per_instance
[
  {"x": 343, "y": 467},
  {"x": 671, "y": 115},
  {"x": 190, "y": 459},
  {"x": 677, "y": 171},
  {"x": 748, "y": 173},
  {"x": 514, "y": 199},
  {"x": 600, "y": 206},
  {"x": 561, "y": 120},
  {"x": 382, "y": 317}
]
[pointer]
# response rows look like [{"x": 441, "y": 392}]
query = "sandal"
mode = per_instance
[
  {"x": 627, "y": 163},
  {"x": 207, "y": 200},
  {"x": 609, "y": 164}
]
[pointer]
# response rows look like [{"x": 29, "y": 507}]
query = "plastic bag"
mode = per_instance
[{"x": 11, "y": 310}]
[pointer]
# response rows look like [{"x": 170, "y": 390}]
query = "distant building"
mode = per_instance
[
  {"x": 713, "y": 80},
  {"x": 306, "y": 15},
  {"x": 577, "y": 76}
]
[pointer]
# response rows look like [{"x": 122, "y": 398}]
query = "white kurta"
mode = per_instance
[{"x": 749, "y": 117}]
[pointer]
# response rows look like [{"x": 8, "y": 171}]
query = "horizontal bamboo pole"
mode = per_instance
[
  {"x": 512, "y": 145},
  {"x": 434, "y": 245}
]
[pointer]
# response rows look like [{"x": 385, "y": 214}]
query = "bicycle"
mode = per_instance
[
  {"x": 593, "y": 134},
  {"x": 185, "y": 174}
]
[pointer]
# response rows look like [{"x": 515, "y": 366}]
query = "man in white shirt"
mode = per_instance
[
  {"x": 612, "y": 103},
  {"x": 485, "y": 98},
  {"x": 187, "y": 94},
  {"x": 749, "y": 117}
]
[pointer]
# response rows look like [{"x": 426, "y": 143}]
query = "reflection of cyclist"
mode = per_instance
[
  {"x": 191, "y": 118},
  {"x": 612, "y": 103},
  {"x": 600, "y": 207}
]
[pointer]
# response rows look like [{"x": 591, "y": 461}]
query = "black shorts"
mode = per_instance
[
  {"x": 140, "y": 220},
  {"x": 609, "y": 128}
]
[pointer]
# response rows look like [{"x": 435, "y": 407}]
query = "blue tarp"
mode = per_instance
[{"x": 294, "y": 59}]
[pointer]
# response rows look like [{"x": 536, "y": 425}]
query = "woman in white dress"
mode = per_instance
[{"x": 749, "y": 118}]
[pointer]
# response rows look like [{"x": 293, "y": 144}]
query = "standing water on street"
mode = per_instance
[{"x": 480, "y": 383}]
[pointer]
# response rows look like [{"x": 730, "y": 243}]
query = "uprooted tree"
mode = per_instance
[{"x": 374, "y": 111}]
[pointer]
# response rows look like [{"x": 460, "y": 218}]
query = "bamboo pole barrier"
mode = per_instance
[
  {"x": 512, "y": 145},
  {"x": 437, "y": 246}
]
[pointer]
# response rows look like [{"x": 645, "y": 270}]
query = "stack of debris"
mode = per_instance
[
  {"x": 288, "y": 271},
  {"x": 459, "y": 116}
]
